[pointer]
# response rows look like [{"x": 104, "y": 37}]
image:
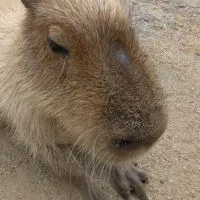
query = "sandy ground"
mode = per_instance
[{"x": 170, "y": 34}]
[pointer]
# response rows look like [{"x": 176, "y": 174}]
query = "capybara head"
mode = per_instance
[{"x": 86, "y": 65}]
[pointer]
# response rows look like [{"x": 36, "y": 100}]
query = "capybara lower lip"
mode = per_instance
[
  {"x": 131, "y": 143},
  {"x": 127, "y": 143},
  {"x": 122, "y": 143}
]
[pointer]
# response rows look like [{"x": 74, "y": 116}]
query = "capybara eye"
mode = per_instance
[{"x": 57, "y": 48}]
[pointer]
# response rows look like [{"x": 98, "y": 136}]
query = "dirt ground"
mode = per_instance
[{"x": 170, "y": 33}]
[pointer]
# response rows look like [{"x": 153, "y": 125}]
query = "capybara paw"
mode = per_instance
[{"x": 128, "y": 181}]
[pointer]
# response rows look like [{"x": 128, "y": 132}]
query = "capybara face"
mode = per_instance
[{"x": 84, "y": 60}]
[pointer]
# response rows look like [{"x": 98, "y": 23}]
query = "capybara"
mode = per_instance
[{"x": 76, "y": 88}]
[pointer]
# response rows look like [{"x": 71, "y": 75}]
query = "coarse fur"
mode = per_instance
[{"x": 67, "y": 107}]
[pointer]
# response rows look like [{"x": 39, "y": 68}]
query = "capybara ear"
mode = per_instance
[{"x": 30, "y": 3}]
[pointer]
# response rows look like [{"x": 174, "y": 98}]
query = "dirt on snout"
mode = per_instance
[{"x": 170, "y": 34}]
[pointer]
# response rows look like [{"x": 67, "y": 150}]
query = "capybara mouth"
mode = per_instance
[
  {"x": 131, "y": 143},
  {"x": 124, "y": 144}
]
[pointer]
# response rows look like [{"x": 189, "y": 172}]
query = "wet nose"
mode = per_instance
[{"x": 141, "y": 139}]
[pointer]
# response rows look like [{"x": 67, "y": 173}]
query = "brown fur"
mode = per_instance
[{"x": 63, "y": 109}]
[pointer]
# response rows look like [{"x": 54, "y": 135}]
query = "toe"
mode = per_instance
[
  {"x": 143, "y": 177},
  {"x": 137, "y": 188}
]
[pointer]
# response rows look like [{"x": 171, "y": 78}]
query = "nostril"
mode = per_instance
[{"x": 123, "y": 143}]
